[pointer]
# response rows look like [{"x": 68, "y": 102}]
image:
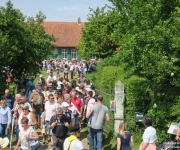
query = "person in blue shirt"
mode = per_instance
[
  {"x": 5, "y": 119},
  {"x": 9, "y": 99}
]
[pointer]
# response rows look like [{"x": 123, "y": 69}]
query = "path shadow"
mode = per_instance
[{"x": 108, "y": 146}]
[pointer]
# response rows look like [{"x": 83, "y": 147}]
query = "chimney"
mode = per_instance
[{"x": 79, "y": 20}]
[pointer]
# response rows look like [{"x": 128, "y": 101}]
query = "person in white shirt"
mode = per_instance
[
  {"x": 50, "y": 110},
  {"x": 72, "y": 69},
  {"x": 149, "y": 135},
  {"x": 51, "y": 78},
  {"x": 60, "y": 84}
]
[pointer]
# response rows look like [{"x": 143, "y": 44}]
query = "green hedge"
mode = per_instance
[{"x": 141, "y": 95}]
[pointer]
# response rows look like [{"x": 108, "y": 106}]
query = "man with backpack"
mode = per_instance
[
  {"x": 98, "y": 112},
  {"x": 59, "y": 124},
  {"x": 73, "y": 142},
  {"x": 37, "y": 100}
]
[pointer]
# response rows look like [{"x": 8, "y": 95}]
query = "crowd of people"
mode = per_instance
[
  {"x": 69, "y": 66},
  {"x": 58, "y": 107}
]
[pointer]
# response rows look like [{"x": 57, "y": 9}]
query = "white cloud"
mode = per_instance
[{"x": 68, "y": 8}]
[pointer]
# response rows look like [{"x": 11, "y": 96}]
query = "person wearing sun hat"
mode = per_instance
[
  {"x": 4, "y": 143},
  {"x": 72, "y": 142},
  {"x": 68, "y": 112}
]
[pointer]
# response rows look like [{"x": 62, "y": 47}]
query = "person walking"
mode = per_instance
[
  {"x": 25, "y": 113},
  {"x": 37, "y": 100},
  {"x": 50, "y": 110},
  {"x": 27, "y": 135},
  {"x": 66, "y": 71},
  {"x": 98, "y": 112},
  {"x": 124, "y": 138},
  {"x": 77, "y": 103},
  {"x": 72, "y": 142},
  {"x": 59, "y": 124},
  {"x": 9, "y": 99},
  {"x": 5, "y": 119},
  {"x": 149, "y": 135}
]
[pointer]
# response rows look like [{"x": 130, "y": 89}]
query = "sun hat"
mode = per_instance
[
  {"x": 4, "y": 142},
  {"x": 64, "y": 104},
  {"x": 78, "y": 89},
  {"x": 74, "y": 129}
]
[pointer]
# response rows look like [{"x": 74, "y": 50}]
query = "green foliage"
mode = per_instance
[
  {"x": 22, "y": 42},
  {"x": 175, "y": 111},
  {"x": 161, "y": 119},
  {"x": 147, "y": 62},
  {"x": 96, "y": 36},
  {"x": 108, "y": 77}
]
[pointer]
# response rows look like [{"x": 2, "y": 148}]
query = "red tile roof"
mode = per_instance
[{"x": 68, "y": 33}]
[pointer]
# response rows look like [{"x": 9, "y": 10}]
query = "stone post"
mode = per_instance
[{"x": 119, "y": 111}]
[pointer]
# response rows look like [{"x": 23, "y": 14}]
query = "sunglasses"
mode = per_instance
[
  {"x": 24, "y": 109},
  {"x": 23, "y": 123},
  {"x": 60, "y": 114},
  {"x": 20, "y": 103}
]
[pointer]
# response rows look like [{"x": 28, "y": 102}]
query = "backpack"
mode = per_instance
[
  {"x": 68, "y": 114},
  {"x": 61, "y": 129}
]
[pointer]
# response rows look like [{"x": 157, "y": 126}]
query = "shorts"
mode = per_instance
[
  {"x": 49, "y": 131},
  {"x": 44, "y": 130}
]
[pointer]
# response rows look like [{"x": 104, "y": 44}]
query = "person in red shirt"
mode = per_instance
[{"x": 77, "y": 103}]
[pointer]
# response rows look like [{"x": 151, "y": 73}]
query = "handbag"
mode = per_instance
[{"x": 36, "y": 146}]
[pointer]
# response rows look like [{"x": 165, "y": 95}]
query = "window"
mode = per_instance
[
  {"x": 55, "y": 51},
  {"x": 64, "y": 53},
  {"x": 93, "y": 57},
  {"x": 74, "y": 54}
]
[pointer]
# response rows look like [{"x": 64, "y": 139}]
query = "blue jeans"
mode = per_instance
[
  {"x": 17, "y": 133},
  {"x": 4, "y": 130},
  {"x": 49, "y": 131},
  {"x": 95, "y": 135},
  {"x": 77, "y": 119}
]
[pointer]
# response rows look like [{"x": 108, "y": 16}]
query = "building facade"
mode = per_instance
[{"x": 68, "y": 35}]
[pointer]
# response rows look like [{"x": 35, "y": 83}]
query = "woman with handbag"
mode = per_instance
[
  {"x": 27, "y": 137},
  {"x": 24, "y": 112}
]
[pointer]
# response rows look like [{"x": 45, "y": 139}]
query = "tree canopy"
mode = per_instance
[
  {"x": 96, "y": 36},
  {"x": 23, "y": 40},
  {"x": 147, "y": 35}
]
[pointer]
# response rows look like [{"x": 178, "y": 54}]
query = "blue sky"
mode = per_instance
[{"x": 57, "y": 10}]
